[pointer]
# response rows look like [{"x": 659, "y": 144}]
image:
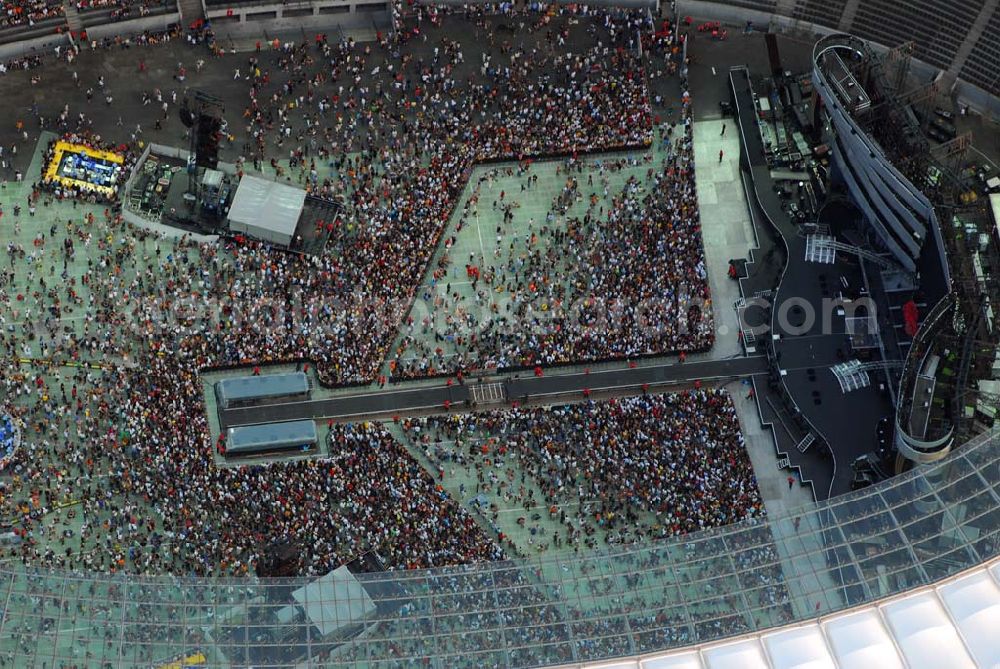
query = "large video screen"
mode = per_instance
[{"x": 85, "y": 168}]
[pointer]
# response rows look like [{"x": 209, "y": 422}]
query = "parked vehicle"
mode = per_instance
[
  {"x": 945, "y": 127},
  {"x": 945, "y": 114}
]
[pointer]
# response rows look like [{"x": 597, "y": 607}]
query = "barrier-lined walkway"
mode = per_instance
[{"x": 416, "y": 396}]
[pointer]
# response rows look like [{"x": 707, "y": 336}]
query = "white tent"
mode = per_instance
[
  {"x": 266, "y": 210},
  {"x": 334, "y": 601}
]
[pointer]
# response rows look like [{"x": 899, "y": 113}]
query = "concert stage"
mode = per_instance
[{"x": 226, "y": 202}]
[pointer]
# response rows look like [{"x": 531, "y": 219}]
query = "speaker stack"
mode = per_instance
[
  {"x": 202, "y": 116},
  {"x": 207, "y": 141}
]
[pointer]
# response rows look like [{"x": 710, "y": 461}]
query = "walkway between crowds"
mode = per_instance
[{"x": 548, "y": 386}]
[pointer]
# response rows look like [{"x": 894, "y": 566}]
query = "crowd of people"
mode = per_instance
[
  {"x": 623, "y": 278},
  {"x": 153, "y": 313},
  {"x": 28, "y": 12},
  {"x": 125, "y": 9},
  {"x": 623, "y": 471},
  {"x": 26, "y": 62},
  {"x": 367, "y": 494},
  {"x": 108, "y": 329},
  {"x": 424, "y": 127},
  {"x": 69, "y": 52}
]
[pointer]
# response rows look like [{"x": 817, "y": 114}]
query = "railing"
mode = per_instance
[{"x": 924, "y": 337}]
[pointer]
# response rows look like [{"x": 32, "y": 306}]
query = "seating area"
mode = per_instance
[
  {"x": 221, "y": 12},
  {"x": 232, "y": 3},
  {"x": 27, "y": 20},
  {"x": 29, "y": 12},
  {"x": 23, "y": 21},
  {"x": 99, "y": 12}
]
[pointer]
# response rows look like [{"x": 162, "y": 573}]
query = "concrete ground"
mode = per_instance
[
  {"x": 725, "y": 225},
  {"x": 711, "y": 60}
]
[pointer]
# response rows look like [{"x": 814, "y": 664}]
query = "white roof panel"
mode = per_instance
[
  {"x": 798, "y": 648},
  {"x": 924, "y": 633},
  {"x": 952, "y": 625},
  {"x": 995, "y": 207},
  {"x": 267, "y": 204},
  {"x": 740, "y": 655},
  {"x": 860, "y": 640},
  {"x": 974, "y": 604},
  {"x": 689, "y": 660}
]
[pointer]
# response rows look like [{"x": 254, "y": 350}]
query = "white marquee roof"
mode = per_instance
[
  {"x": 267, "y": 204},
  {"x": 335, "y": 600}
]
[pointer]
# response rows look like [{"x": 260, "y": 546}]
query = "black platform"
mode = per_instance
[{"x": 820, "y": 429}]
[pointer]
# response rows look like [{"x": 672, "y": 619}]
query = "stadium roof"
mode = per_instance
[{"x": 953, "y": 624}]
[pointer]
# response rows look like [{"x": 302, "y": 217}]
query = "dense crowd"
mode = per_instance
[
  {"x": 28, "y": 12},
  {"x": 116, "y": 426},
  {"x": 107, "y": 328},
  {"x": 402, "y": 181},
  {"x": 624, "y": 471},
  {"x": 121, "y": 322},
  {"x": 622, "y": 282},
  {"x": 403, "y": 126},
  {"x": 125, "y": 9},
  {"x": 366, "y": 495}
]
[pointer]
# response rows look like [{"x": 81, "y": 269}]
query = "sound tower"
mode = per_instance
[
  {"x": 773, "y": 54},
  {"x": 208, "y": 134}
]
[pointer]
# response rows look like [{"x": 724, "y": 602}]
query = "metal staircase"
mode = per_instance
[
  {"x": 821, "y": 247},
  {"x": 747, "y": 333},
  {"x": 73, "y": 19}
]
